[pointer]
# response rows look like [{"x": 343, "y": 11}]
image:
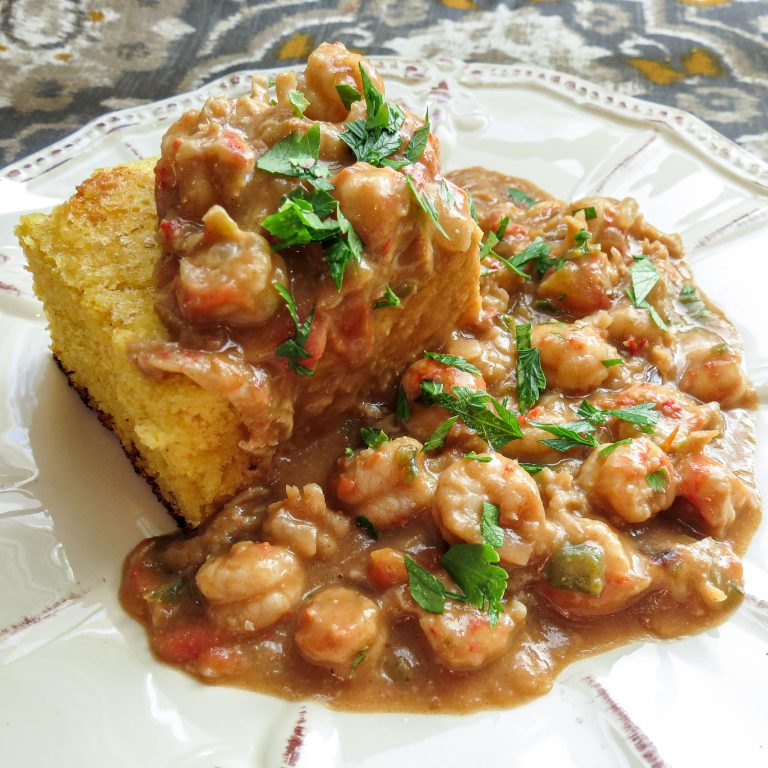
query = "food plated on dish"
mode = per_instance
[{"x": 483, "y": 432}]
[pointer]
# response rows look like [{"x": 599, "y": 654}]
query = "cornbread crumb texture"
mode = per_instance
[{"x": 92, "y": 260}]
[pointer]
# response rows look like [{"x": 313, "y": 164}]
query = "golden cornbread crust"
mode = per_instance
[{"x": 92, "y": 261}]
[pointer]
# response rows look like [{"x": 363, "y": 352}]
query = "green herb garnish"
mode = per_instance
[
  {"x": 531, "y": 380},
  {"x": 362, "y": 522},
  {"x": 418, "y": 142},
  {"x": 472, "y": 456},
  {"x": 389, "y": 299},
  {"x": 297, "y": 156},
  {"x": 294, "y": 349},
  {"x": 454, "y": 361},
  {"x": 497, "y": 427},
  {"x": 348, "y": 94},
  {"x": 426, "y": 204},
  {"x": 520, "y": 196},
  {"x": 658, "y": 480},
  {"x": 426, "y": 589},
  {"x": 373, "y": 437},
  {"x": 607, "y": 450},
  {"x": 357, "y": 660},
  {"x": 589, "y": 212},
  {"x": 437, "y": 438},
  {"x": 582, "y": 238},
  {"x": 298, "y": 102},
  {"x": 644, "y": 415},
  {"x": 532, "y": 469},
  {"x": 644, "y": 276},
  {"x": 692, "y": 302},
  {"x": 446, "y": 193},
  {"x": 403, "y": 409},
  {"x": 568, "y": 436},
  {"x": 613, "y": 361},
  {"x": 490, "y": 530}
]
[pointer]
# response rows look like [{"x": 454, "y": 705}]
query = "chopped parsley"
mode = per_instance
[
  {"x": 294, "y": 349},
  {"x": 389, "y": 299},
  {"x": 298, "y": 102},
  {"x": 426, "y": 204},
  {"x": 694, "y": 306},
  {"x": 454, "y": 361},
  {"x": 490, "y": 530},
  {"x": 426, "y": 589},
  {"x": 297, "y": 156},
  {"x": 483, "y": 584},
  {"x": 348, "y": 94},
  {"x": 437, "y": 438},
  {"x": 569, "y": 435},
  {"x": 497, "y": 427},
  {"x": 472, "y": 210},
  {"x": 531, "y": 380},
  {"x": 418, "y": 142},
  {"x": 306, "y": 217},
  {"x": 607, "y": 450},
  {"x": 403, "y": 408},
  {"x": 358, "y": 659},
  {"x": 349, "y": 451},
  {"x": 373, "y": 437},
  {"x": 375, "y": 138},
  {"x": 520, "y": 197},
  {"x": 472, "y": 456},
  {"x": 658, "y": 480},
  {"x": 470, "y": 566},
  {"x": 644, "y": 415},
  {"x": 532, "y": 469},
  {"x": 589, "y": 212},
  {"x": 582, "y": 238},
  {"x": 446, "y": 193},
  {"x": 613, "y": 361},
  {"x": 644, "y": 276},
  {"x": 362, "y": 522}
]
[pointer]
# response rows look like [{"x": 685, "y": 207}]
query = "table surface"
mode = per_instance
[{"x": 64, "y": 63}]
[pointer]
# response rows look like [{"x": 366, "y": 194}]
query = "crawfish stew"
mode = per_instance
[{"x": 569, "y": 470}]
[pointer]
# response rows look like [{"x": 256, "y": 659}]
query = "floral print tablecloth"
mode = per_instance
[{"x": 64, "y": 62}]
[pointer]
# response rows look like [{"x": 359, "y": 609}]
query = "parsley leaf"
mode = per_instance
[
  {"x": 305, "y": 217},
  {"x": 437, "y": 438},
  {"x": 644, "y": 415},
  {"x": 613, "y": 361},
  {"x": 607, "y": 450},
  {"x": 298, "y": 102},
  {"x": 530, "y": 377},
  {"x": 497, "y": 429},
  {"x": 362, "y": 522},
  {"x": 390, "y": 299},
  {"x": 569, "y": 435},
  {"x": 490, "y": 530},
  {"x": 589, "y": 212},
  {"x": 297, "y": 156},
  {"x": 426, "y": 204},
  {"x": 418, "y": 142},
  {"x": 403, "y": 408},
  {"x": 454, "y": 361},
  {"x": 446, "y": 193},
  {"x": 694, "y": 306},
  {"x": 658, "y": 480},
  {"x": 472, "y": 210},
  {"x": 426, "y": 589},
  {"x": 644, "y": 277},
  {"x": 472, "y": 456},
  {"x": 520, "y": 196},
  {"x": 357, "y": 660},
  {"x": 582, "y": 238},
  {"x": 378, "y": 136},
  {"x": 469, "y": 565},
  {"x": 532, "y": 469},
  {"x": 294, "y": 349},
  {"x": 373, "y": 437},
  {"x": 348, "y": 94}
]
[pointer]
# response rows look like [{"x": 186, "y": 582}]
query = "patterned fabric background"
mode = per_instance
[{"x": 64, "y": 62}]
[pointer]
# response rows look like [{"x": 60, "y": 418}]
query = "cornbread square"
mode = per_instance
[{"x": 92, "y": 261}]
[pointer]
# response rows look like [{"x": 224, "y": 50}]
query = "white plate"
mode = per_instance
[{"x": 78, "y": 686}]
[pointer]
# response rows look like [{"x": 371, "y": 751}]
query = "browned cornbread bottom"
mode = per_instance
[{"x": 92, "y": 260}]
